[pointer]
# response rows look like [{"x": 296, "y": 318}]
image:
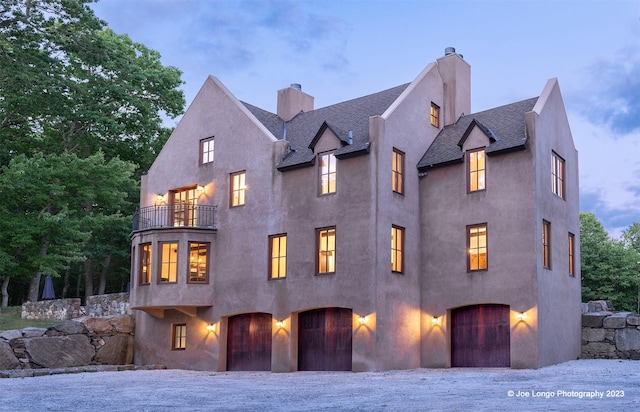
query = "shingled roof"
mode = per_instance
[
  {"x": 341, "y": 118},
  {"x": 504, "y": 126}
]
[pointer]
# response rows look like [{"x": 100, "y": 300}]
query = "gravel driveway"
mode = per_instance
[{"x": 577, "y": 385}]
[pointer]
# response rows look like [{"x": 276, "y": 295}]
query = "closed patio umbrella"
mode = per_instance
[{"x": 48, "y": 293}]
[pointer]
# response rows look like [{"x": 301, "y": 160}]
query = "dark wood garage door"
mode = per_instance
[
  {"x": 249, "y": 342},
  {"x": 480, "y": 336},
  {"x": 324, "y": 339}
]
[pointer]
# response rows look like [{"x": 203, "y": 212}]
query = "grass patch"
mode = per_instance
[{"x": 10, "y": 318}]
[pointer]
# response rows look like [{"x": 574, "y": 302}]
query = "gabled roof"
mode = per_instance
[
  {"x": 341, "y": 118},
  {"x": 504, "y": 127}
]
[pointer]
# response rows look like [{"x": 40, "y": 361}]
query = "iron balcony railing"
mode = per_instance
[{"x": 177, "y": 215}]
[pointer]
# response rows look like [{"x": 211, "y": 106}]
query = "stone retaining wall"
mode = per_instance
[
  {"x": 79, "y": 342},
  {"x": 112, "y": 304},
  {"x": 609, "y": 335}
]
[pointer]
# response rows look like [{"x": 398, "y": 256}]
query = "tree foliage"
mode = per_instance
[
  {"x": 81, "y": 111},
  {"x": 609, "y": 267}
]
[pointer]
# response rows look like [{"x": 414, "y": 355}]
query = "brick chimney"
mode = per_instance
[{"x": 292, "y": 101}]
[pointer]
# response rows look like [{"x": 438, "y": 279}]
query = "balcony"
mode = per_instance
[{"x": 172, "y": 216}]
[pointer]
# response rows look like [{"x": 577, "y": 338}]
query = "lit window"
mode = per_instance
[
  {"x": 477, "y": 247},
  {"x": 397, "y": 171},
  {"x": 179, "y": 337},
  {"x": 238, "y": 188},
  {"x": 278, "y": 253},
  {"x": 327, "y": 173},
  {"x": 198, "y": 262},
  {"x": 572, "y": 256},
  {"x": 183, "y": 206},
  {"x": 397, "y": 248},
  {"x": 557, "y": 175},
  {"x": 145, "y": 263},
  {"x": 206, "y": 150},
  {"x": 435, "y": 115},
  {"x": 546, "y": 244},
  {"x": 168, "y": 261},
  {"x": 327, "y": 250},
  {"x": 476, "y": 167}
]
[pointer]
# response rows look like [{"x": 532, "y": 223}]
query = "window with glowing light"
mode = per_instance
[
  {"x": 238, "y": 188},
  {"x": 184, "y": 202},
  {"x": 326, "y": 250},
  {"x": 278, "y": 256},
  {"x": 476, "y": 170},
  {"x": 557, "y": 175},
  {"x": 434, "y": 115},
  {"x": 145, "y": 263},
  {"x": 397, "y": 249},
  {"x": 206, "y": 150},
  {"x": 327, "y": 173},
  {"x": 168, "y": 262},
  {"x": 546, "y": 244},
  {"x": 179, "y": 336},
  {"x": 397, "y": 171},
  {"x": 477, "y": 247},
  {"x": 198, "y": 262},
  {"x": 572, "y": 256}
]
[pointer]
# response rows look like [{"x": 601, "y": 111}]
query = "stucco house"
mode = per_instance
[{"x": 395, "y": 230}]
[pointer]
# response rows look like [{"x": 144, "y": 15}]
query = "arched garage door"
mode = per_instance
[
  {"x": 480, "y": 336},
  {"x": 324, "y": 339},
  {"x": 249, "y": 342}
]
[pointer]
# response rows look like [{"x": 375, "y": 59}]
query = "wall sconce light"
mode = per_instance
[
  {"x": 211, "y": 327},
  {"x": 200, "y": 189},
  {"x": 435, "y": 320},
  {"x": 280, "y": 323},
  {"x": 362, "y": 319},
  {"x": 520, "y": 316},
  {"x": 160, "y": 198}
]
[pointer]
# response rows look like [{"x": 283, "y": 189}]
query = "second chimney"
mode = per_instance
[{"x": 292, "y": 101}]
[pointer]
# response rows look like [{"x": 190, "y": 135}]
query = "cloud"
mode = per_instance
[{"x": 612, "y": 96}]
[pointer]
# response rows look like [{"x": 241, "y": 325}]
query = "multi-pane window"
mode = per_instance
[
  {"x": 168, "y": 261},
  {"x": 477, "y": 247},
  {"x": 184, "y": 203},
  {"x": 476, "y": 167},
  {"x": 198, "y": 262},
  {"x": 435, "y": 115},
  {"x": 572, "y": 254},
  {"x": 179, "y": 336},
  {"x": 145, "y": 263},
  {"x": 546, "y": 244},
  {"x": 206, "y": 150},
  {"x": 557, "y": 175},
  {"x": 397, "y": 171},
  {"x": 278, "y": 256},
  {"x": 327, "y": 250},
  {"x": 327, "y": 173},
  {"x": 397, "y": 249},
  {"x": 238, "y": 188}
]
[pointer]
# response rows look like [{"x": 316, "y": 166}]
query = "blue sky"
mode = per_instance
[{"x": 339, "y": 50}]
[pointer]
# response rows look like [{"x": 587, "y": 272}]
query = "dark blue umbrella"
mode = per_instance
[{"x": 48, "y": 293}]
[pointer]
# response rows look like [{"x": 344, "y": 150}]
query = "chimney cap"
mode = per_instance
[
  {"x": 296, "y": 86},
  {"x": 449, "y": 50}
]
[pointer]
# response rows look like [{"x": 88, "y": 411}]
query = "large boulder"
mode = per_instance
[
  {"x": 123, "y": 324},
  {"x": 11, "y": 334},
  {"x": 60, "y": 351},
  {"x": 115, "y": 350},
  {"x": 7, "y": 359},
  {"x": 628, "y": 339},
  {"x": 70, "y": 327}
]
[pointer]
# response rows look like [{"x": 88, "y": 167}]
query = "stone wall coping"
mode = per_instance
[{"x": 30, "y": 373}]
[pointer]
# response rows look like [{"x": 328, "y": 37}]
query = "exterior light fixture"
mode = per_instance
[
  {"x": 362, "y": 319},
  {"x": 520, "y": 316},
  {"x": 160, "y": 198},
  {"x": 200, "y": 189},
  {"x": 435, "y": 320},
  {"x": 280, "y": 323},
  {"x": 211, "y": 327}
]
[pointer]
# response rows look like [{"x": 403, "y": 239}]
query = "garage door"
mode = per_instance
[
  {"x": 249, "y": 342},
  {"x": 324, "y": 339},
  {"x": 480, "y": 336}
]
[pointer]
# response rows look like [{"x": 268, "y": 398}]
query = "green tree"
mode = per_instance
[
  {"x": 631, "y": 239},
  {"x": 70, "y": 85},
  {"x": 609, "y": 267}
]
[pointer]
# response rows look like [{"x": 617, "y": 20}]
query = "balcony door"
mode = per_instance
[{"x": 183, "y": 206}]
